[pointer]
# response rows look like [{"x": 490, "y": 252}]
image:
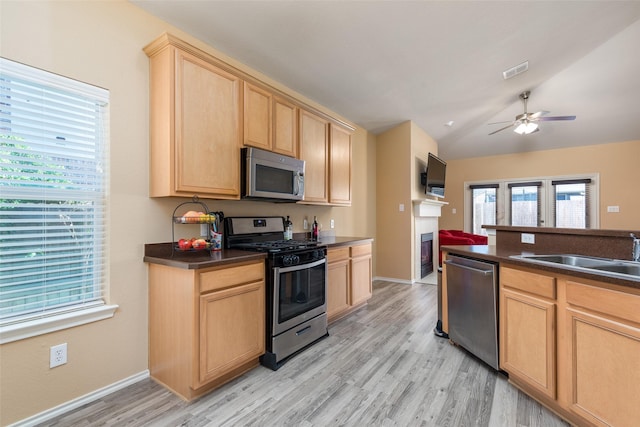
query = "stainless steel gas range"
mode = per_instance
[{"x": 296, "y": 292}]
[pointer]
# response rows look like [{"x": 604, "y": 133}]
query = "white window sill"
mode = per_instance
[{"x": 45, "y": 325}]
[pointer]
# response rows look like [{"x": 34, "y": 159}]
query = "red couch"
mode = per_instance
[{"x": 458, "y": 237}]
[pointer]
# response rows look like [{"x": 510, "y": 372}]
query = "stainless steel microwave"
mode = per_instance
[{"x": 268, "y": 175}]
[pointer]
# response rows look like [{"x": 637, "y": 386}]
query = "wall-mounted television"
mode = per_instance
[{"x": 433, "y": 179}]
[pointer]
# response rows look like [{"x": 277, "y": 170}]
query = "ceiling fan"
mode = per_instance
[{"x": 526, "y": 123}]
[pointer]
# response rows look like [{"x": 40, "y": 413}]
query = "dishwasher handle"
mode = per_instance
[{"x": 475, "y": 270}]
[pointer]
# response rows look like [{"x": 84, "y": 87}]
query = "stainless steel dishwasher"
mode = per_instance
[{"x": 472, "y": 301}]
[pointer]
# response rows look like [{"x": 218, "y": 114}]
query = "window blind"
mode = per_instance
[
  {"x": 525, "y": 203},
  {"x": 53, "y": 193},
  {"x": 572, "y": 200},
  {"x": 525, "y": 184},
  {"x": 480, "y": 186}
]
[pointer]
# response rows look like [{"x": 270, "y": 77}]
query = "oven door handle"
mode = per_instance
[
  {"x": 300, "y": 266},
  {"x": 303, "y": 330}
]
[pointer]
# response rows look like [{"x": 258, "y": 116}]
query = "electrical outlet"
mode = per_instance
[
  {"x": 332, "y": 224},
  {"x": 528, "y": 238},
  {"x": 58, "y": 355},
  {"x": 305, "y": 224},
  {"x": 401, "y": 207},
  {"x": 613, "y": 208}
]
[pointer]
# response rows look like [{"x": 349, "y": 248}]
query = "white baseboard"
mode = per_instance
[{"x": 82, "y": 400}]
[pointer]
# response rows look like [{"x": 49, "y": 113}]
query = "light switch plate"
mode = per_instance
[{"x": 528, "y": 238}]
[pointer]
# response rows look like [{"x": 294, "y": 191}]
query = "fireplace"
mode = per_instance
[
  {"x": 426, "y": 254},
  {"x": 425, "y": 215}
]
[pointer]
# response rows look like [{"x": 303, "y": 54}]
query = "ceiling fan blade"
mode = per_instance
[
  {"x": 538, "y": 114},
  {"x": 499, "y": 123},
  {"x": 550, "y": 119},
  {"x": 506, "y": 127}
]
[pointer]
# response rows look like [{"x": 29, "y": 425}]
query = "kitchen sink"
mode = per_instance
[
  {"x": 629, "y": 270},
  {"x": 622, "y": 268},
  {"x": 574, "y": 260}
]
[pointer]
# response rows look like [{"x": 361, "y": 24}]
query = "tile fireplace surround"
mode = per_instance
[{"x": 425, "y": 220}]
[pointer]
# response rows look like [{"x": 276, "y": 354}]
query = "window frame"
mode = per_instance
[
  {"x": 588, "y": 198},
  {"x": 540, "y": 205},
  {"x": 50, "y": 320},
  {"x": 546, "y": 196},
  {"x": 472, "y": 187}
]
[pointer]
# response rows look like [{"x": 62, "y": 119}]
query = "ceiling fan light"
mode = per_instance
[{"x": 525, "y": 128}]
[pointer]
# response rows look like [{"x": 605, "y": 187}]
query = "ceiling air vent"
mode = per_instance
[{"x": 514, "y": 71}]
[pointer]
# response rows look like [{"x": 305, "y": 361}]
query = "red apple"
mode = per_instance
[{"x": 184, "y": 244}]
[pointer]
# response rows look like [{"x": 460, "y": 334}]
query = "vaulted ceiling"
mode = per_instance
[{"x": 380, "y": 63}]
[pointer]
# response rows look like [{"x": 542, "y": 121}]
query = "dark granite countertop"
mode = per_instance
[
  {"x": 502, "y": 256},
  {"x": 334, "y": 241},
  {"x": 161, "y": 253}
]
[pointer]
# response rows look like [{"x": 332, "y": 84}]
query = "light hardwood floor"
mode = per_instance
[{"x": 381, "y": 366}]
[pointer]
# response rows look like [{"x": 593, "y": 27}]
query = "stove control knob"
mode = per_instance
[{"x": 290, "y": 259}]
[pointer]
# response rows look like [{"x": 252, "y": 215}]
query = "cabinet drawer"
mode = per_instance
[
  {"x": 360, "y": 250},
  {"x": 606, "y": 301},
  {"x": 231, "y": 276},
  {"x": 537, "y": 284},
  {"x": 337, "y": 254}
]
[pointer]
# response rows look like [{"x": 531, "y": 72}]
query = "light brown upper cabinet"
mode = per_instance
[
  {"x": 196, "y": 133},
  {"x": 203, "y": 110},
  {"x": 326, "y": 148},
  {"x": 314, "y": 150},
  {"x": 339, "y": 166},
  {"x": 257, "y": 116},
  {"x": 285, "y": 127},
  {"x": 270, "y": 122}
]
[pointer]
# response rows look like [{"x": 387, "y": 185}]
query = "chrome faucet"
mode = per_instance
[{"x": 636, "y": 247}]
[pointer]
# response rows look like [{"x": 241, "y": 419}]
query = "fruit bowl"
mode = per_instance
[
  {"x": 192, "y": 245},
  {"x": 194, "y": 218}
]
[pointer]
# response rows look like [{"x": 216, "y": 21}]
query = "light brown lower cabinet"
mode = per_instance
[
  {"x": 573, "y": 344},
  {"x": 206, "y": 327},
  {"x": 338, "y": 279},
  {"x": 361, "y": 289},
  {"x": 349, "y": 279},
  {"x": 603, "y": 354},
  {"x": 528, "y": 329}
]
